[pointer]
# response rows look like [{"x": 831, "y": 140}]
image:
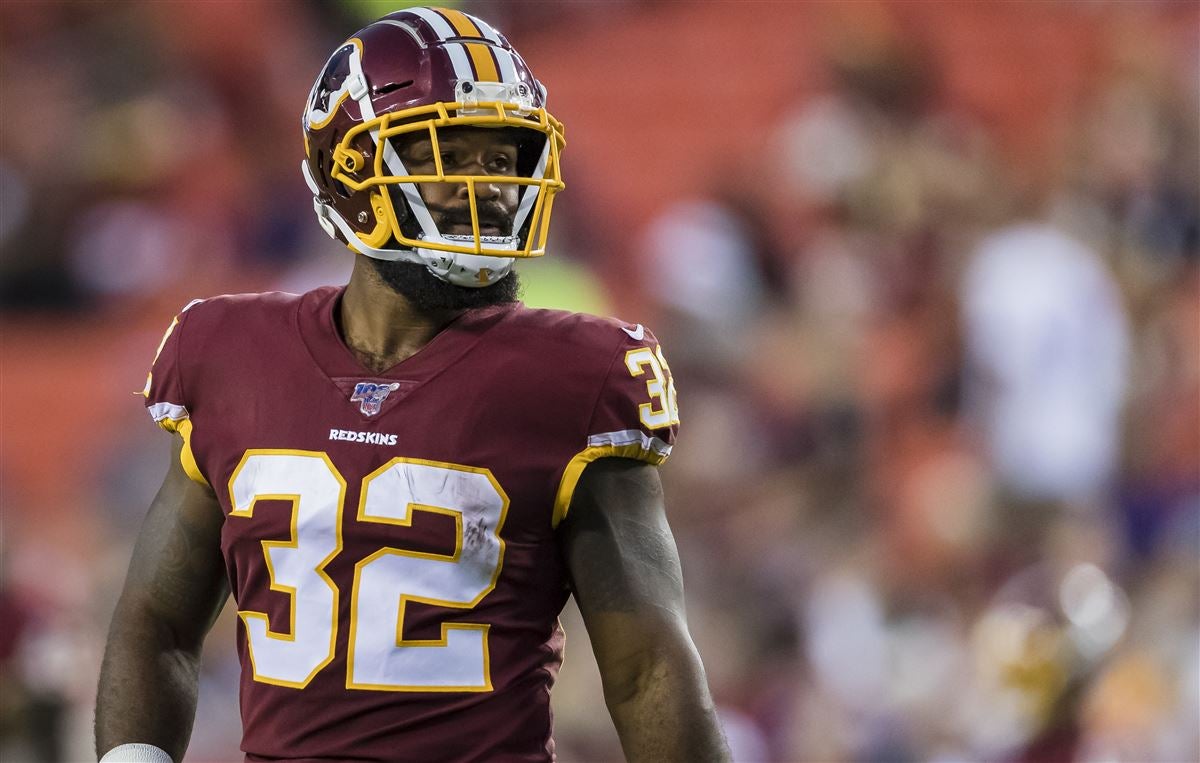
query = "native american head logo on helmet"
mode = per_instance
[{"x": 421, "y": 75}]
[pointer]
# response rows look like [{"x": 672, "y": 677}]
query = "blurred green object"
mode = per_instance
[
  {"x": 369, "y": 10},
  {"x": 560, "y": 284}
]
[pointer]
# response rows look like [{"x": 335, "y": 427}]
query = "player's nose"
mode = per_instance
[{"x": 486, "y": 189}]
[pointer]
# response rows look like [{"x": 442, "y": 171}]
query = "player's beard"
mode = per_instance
[{"x": 427, "y": 292}]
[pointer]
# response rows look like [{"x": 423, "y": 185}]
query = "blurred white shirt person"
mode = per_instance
[{"x": 1047, "y": 342}]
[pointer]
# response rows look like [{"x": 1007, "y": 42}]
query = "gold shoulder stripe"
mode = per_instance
[
  {"x": 575, "y": 467},
  {"x": 186, "y": 457},
  {"x": 166, "y": 335}
]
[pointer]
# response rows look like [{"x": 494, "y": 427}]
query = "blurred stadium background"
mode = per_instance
[{"x": 927, "y": 273}]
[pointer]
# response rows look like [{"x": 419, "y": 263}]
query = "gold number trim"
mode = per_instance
[{"x": 659, "y": 388}]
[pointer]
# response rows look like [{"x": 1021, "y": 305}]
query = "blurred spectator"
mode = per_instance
[
  {"x": 702, "y": 265},
  {"x": 1048, "y": 343}
]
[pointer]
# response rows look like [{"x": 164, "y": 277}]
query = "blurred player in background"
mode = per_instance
[{"x": 402, "y": 480}]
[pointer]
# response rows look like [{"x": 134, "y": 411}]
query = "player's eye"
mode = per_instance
[{"x": 418, "y": 155}]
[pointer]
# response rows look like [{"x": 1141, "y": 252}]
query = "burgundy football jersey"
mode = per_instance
[{"x": 389, "y": 538}]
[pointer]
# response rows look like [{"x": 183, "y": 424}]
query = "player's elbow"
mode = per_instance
[
  {"x": 658, "y": 662},
  {"x": 140, "y": 620}
]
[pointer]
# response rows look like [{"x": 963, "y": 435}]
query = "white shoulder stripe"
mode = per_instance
[
  {"x": 160, "y": 411},
  {"x": 631, "y": 437}
]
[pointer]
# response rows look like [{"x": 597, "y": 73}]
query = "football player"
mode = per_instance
[{"x": 402, "y": 480}]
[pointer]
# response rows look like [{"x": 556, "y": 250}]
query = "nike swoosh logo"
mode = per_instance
[{"x": 636, "y": 334}]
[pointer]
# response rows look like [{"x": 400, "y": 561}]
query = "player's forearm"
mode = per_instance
[
  {"x": 663, "y": 710},
  {"x": 148, "y": 685}
]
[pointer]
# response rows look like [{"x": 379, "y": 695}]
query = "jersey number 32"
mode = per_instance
[{"x": 379, "y": 657}]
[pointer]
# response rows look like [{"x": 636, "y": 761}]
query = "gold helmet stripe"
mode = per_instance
[
  {"x": 461, "y": 22},
  {"x": 508, "y": 68},
  {"x": 485, "y": 65},
  {"x": 481, "y": 54}
]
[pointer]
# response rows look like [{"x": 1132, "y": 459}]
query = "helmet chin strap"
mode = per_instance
[
  {"x": 468, "y": 270},
  {"x": 473, "y": 271}
]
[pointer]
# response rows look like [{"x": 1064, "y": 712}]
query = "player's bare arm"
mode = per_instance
[
  {"x": 626, "y": 578},
  {"x": 174, "y": 589}
]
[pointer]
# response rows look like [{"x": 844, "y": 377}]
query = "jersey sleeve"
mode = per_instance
[
  {"x": 636, "y": 414},
  {"x": 166, "y": 399}
]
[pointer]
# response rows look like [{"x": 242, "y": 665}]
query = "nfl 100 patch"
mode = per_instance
[{"x": 370, "y": 396}]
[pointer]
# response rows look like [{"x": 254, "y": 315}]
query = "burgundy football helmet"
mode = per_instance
[{"x": 418, "y": 71}]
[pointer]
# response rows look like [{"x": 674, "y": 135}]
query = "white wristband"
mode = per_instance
[{"x": 136, "y": 753}]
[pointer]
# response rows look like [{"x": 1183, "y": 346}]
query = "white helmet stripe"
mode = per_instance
[
  {"x": 441, "y": 27},
  {"x": 487, "y": 29},
  {"x": 458, "y": 55},
  {"x": 411, "y": 194},
  {"x": 508, "y": 68}
]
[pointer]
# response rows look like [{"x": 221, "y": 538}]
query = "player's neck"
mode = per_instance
[{"x": 381, "y": 327}]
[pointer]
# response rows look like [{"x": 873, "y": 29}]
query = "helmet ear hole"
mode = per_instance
[
  {"x": 321, "y": 164},
  {"x": 336, "y": 186}
]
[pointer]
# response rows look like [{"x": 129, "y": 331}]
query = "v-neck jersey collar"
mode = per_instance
[{"x": 318, "y": 330}]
